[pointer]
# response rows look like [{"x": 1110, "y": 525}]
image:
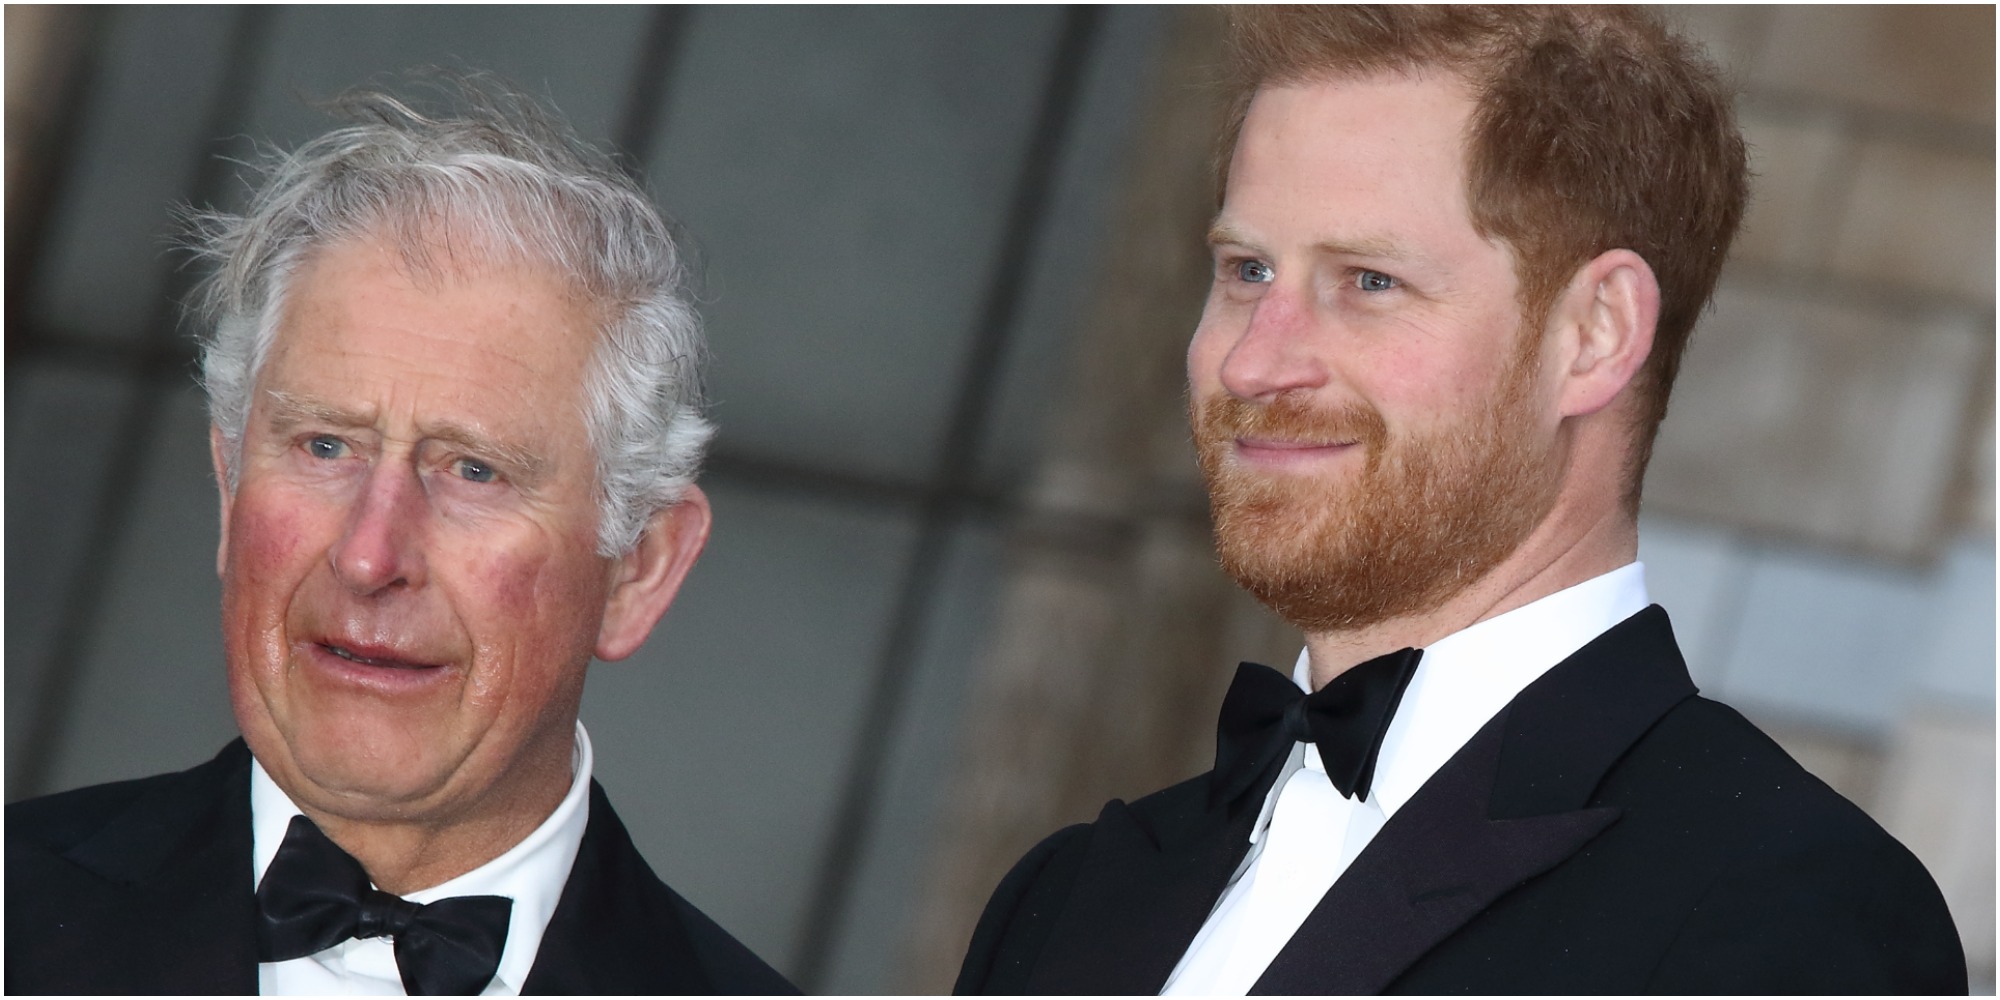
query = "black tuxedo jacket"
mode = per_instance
[
  {"x": 1607, "y": 832},
  {"x": 145, "y": 887}
]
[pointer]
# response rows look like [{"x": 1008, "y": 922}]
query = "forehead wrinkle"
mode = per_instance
[
  {"x": 1222, "y": 233},
  {"x": 1375, "y": 247},
  {"x": 291, "y": 408},
  {"x": 522, "y": 461},
  {"x": 288, "y": 408}
]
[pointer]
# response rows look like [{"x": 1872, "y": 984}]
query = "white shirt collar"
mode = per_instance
[
  {"x": 532, "y": 873},
  {"x": 1465, "y": 678},
  {"x": 1461, "y": 682}
]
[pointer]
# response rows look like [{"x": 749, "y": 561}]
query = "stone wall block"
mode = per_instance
[
  {"x": 1938, "y": 799},
  {"x": 1919, "y": 217},
  {"x": 1058, "y": 619},
  {"x": 1158, "y": 691},
  {"x": 1790, "y": 416},
  {"x": 1934, "y": 61},
  {"x": 1104, "y": 641},
  {"x": 1731, "y": 33},
  {"x": 1697, "y": 572},
  {"x": 41, "y": 55},
  {"x": 1792, "y": 165},
  {"x": 1973, "y": 511}
]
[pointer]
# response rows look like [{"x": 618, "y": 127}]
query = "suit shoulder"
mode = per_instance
[
  {"x": 1707, "y": 770},
  {"x": 1052, "y": 860},
  {"x": 1015, "y": 923},
  {"x": 733, "y": 968},
  {"x": 145, "y": 869},
  {"x": 1804, "y": 887},
  {"x": 619, "y": 929},
  {"x": 58, "y": 822},
  {"x": 1171, "y": 808},
  {"x": 1023, "y": 910},
  {"x": 1705, "y": 753}
]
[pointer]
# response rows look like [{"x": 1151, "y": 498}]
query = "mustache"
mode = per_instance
[{"x": 1289, "y": 418}]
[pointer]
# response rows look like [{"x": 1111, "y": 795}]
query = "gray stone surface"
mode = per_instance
[
  {"x": 1919, "y": 217},
  {"x": 153, "y": 695},
  {"x": 1825, "y": 640},
  {"x": 137, "y": 152},
  {"x": 1958, "y": 654},
  {"x": 1697, "y": 572},
  {"x": 887, "y": 881},
  {"x": 1732, "y": 34},
  {"x": 60, "y": 435},
  {"x": 846, "y": 175},
  {"x": 584, "y": 64},
  {"x": 1909, "y": 59},
  {"x": 725, "y": 740},
  {"x": 1938, "y": 799},
  {"x": 1973, "y": 513},
  {"x": 1797, "y": 161},
  {"x": 1070, "y": 257},
  {"x": 1789, "y": 416}
]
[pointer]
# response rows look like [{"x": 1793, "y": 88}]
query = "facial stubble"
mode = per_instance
[{"x": 1426, "y": 516}]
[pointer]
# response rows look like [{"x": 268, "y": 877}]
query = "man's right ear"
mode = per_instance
[{"x": 218, "y": 455}]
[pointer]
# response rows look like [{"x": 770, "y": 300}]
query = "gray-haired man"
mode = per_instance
[{"x": 452, "y": 374}]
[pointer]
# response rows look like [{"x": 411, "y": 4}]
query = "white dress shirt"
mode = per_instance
[
  {"x": 1308, "y": 833},
  {"x": 532, "y": 873}
]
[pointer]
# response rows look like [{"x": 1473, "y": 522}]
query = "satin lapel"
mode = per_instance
[
  {"x": 1437, "y": 863},
  {"x": 1148, "y": 882},
  {"x": 615, "y": 930},
  {"x": 1567, "y": 729},
  {"x": 173, "y": 877},
  {"x": 1509, "y": 806}
]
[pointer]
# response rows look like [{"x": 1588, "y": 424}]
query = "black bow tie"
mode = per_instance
[
  {"x": 1265, "y": 713},
  {"x": 315, "y": 896}
]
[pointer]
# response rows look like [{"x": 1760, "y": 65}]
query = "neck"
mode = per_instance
[
  {"x": 1565, "y": 549},
  {"x": 403, "y": 857}
]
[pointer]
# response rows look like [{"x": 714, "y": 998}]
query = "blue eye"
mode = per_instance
[
  {"x": 474, "y": 471},
  {"x": 325, "y": 447},
  {"x": 1254, "y": 271},
  {"x": 1373, "y": 281}
]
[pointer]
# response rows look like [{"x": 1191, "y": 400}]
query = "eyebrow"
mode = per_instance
[
  {"x": 1221, "y": 233},
  {"x": 289, "y": 410}
]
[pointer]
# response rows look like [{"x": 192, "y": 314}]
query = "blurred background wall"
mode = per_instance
[{"x": 959, "y": 589}]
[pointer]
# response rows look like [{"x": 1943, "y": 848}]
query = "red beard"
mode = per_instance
[{"x": 1426, "y": 516}]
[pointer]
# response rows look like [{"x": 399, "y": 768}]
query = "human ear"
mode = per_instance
[
  {"x": 1609, "y": 311},
  {"x": 218, "y": 455},
  {"x": 645, "y": 580}
]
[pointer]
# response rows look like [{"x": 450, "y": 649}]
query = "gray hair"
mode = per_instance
[{"x": 503, "y": 179}]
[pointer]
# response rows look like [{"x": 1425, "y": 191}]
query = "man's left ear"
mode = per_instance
[
  {"x": 645, "y": 580},
  {"x": 1608, "y": 313}
]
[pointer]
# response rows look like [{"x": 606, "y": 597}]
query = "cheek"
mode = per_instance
[
  {"x": 538, "y": 616},
  {"x": 1424, "y": 380},
  {"x": 264, "y": 539},
  {"x": 540, "y": 593},
  {"x": 269, "y": 552},
  {"x": 511, "y": 584}
]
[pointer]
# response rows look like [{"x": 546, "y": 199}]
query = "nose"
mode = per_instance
[
  {"x": 382, "y": 546},
  {"x": 1274, "y": 350}
]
